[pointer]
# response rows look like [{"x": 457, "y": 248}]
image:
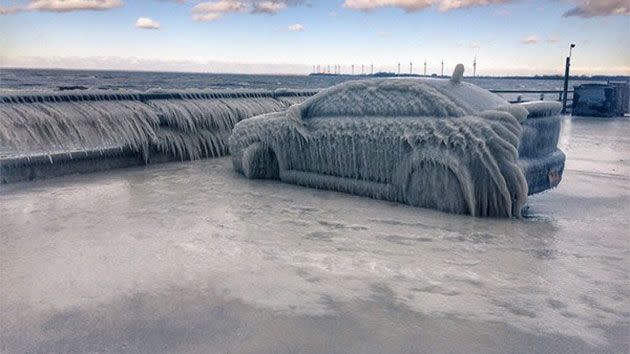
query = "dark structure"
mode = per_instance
[{"x": 601, "y": 100}]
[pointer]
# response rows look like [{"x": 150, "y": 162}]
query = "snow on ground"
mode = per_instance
[{"x": 191, "y": 256}]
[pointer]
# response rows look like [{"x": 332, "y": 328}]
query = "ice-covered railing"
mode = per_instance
[
  {"x": 130, "y": 95},
  {"x": 184, "y": 124}
]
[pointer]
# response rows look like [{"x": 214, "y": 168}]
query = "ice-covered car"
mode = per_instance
[{"x": 441, "y": 144}]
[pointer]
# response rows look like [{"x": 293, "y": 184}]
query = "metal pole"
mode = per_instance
[
  {"x": 566, "y": 85},
  {"x": 566, "y": 80}
]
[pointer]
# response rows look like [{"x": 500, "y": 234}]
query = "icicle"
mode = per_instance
[{"x": 183, "y": 124}]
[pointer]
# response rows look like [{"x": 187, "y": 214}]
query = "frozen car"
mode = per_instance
[{"x": 441, "y": 144}]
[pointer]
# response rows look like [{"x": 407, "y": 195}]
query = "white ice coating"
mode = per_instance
[
  {"x": 432, "y": 143},
  {"x": 62, "y": 126},
  {"x": 538, "y": 109},
  {"x": 192, "y": 129},
  {"x": 541, "y": 129},
  {"x": 185, "y": 125}
]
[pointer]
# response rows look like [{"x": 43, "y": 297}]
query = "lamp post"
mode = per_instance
[{"x": 566, "y": 80}]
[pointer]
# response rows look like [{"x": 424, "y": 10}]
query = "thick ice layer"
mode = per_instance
[
  {"x": 537, "y": 109},
  {"x": 65, "y": 125},
  {"x": 195, "y": 128},
  {"x": 541, "y": 129},
  {"x": 430, "y": 143},
  {"x": 192, "y": 146},
  {"x": 466, "y": 165},
  {"x": 186, "y": 125},
  {"x": 402, "y": 97}
]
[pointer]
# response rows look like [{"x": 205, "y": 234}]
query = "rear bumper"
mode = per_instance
[{"x": 543, "y": 172}]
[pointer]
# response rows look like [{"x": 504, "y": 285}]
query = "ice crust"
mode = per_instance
[
  {"x": 541, "y": 128},
  {"x": 185, "y": 125},
  {"x": 398, "y": 97},
  {"x": 431, "y": 143}
]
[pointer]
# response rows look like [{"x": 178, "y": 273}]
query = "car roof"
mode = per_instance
[{"x": 399, "y": 97}]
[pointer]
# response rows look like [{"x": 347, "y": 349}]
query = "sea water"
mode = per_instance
[{"x": 53, "y": 79}]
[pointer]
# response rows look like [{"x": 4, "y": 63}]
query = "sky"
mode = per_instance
[{"x": 508, "y": 37}]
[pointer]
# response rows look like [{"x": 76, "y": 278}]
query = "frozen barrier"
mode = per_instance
[
  {"x": 441, "y": 144},
  {"x": 66, "y": 129}
]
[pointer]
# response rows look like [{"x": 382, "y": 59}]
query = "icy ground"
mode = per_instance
[{"x": 192, "y": 257}]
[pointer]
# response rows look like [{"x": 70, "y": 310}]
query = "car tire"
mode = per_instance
[
  {"x": 435, "y": 186},
  {"x": 260, "y": 162}
]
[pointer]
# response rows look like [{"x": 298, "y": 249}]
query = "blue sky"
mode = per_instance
[{"x": 290, "y": 36}]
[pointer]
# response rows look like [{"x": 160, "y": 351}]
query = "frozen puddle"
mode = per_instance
[{"x": 191, "y": 256}]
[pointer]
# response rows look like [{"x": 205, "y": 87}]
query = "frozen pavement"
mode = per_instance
[{"x": 188, "y": 257}]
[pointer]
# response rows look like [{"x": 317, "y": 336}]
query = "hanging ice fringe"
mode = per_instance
[
  {"x": 441, "y": 144},
  {"x": 184, "y": 125}
]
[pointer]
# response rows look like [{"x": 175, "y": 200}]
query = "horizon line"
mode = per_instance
[{"x": 306, "y": 74}]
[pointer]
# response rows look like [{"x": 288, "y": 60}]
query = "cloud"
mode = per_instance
[
  {"x": 62, "y": 6},
  {"x": 268, "y": 7},
  {"x": 474, "y": 45},
  {"x": 552, "y": 40},
  {"x": 417, "y": 5},
  {"x": 296, "y": 27},
  {"x": 7, "y": 10},
  {"x": 593, "y": 8},
  {"x": 72, "y": 5},
  {"x": 503, "y": 12},
  {"x": 147, "y": 23},
  {"x": 531, "y": 39},
  {"x": 213, "y": 10}
]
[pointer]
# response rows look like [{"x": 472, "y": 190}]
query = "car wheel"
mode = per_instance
[
  {"x": 434, "y": 184},
  {"x": 260, "y": 162}
]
